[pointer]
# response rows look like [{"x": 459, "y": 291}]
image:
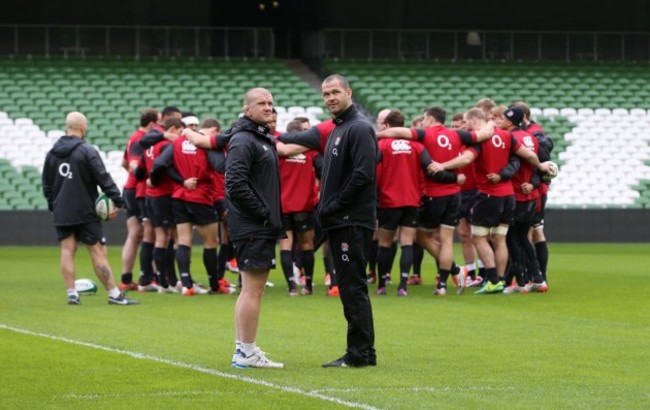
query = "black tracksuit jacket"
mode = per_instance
[
  {"x": 348, "y": 195},
  {"x": 73, "y": 169},
  {"x": 252, "y": 183}
]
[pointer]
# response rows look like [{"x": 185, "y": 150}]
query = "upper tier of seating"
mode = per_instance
[
  {"x": 112, "y": 93},
  {"x": 595, "y": 113}
]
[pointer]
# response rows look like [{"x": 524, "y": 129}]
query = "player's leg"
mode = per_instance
[
  {"x": 286, "y": 254},
  {"x": 68, "y": 243},
  {"x": 133, "y": 237},
  {"x": 407, "y": 235},
  {"x": 208, "y": 234},
  {"x": 306, "y": 243}
]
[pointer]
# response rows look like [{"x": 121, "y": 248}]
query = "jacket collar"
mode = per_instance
[{"x": 346, "y": 115}]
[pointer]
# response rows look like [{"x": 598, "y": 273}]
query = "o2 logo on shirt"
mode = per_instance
[
  {"x": 443, "y": 142},
  {"x": 64, "y": 170},
  {"x": 400, "y": 146},
  {"x": 149, "y": 152},
  {"x": 497, "y": 141}
]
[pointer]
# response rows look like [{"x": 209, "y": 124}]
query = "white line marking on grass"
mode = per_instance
[{"x": 200, "y": 369}]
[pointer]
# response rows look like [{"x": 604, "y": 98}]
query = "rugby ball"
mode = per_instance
[
  {"x": 553, "y": 171},
  {"x": 85, "y": 286},
  {"x": 104, "y": 206}
]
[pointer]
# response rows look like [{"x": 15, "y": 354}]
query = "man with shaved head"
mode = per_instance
[
  {"x": 73, "y": 169},
  {"x": 254, "y": 218}
]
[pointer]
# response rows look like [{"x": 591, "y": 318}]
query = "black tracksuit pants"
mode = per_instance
[{"x": 350, "y": 248}]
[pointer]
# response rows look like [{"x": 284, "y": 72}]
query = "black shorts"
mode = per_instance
[
  {"x": 391, "y": 218},
  {"x": 159, "y": 211},
  {"x": 299, "y": 221},
  {"x": 492, "y": 211},
  {"x": 467, "y": 201},
  {"x": 439, "y": 210},
  {"x": 220, "y": 209},
  {"x": 194, "y": 213},
  {"x": 89, "y": 233},
  {"x": 540, "y": 211},
  {"x": 525, "y": 212},
  {"x": 255, "y": 254},
  {"x": 132, "y": 206}
]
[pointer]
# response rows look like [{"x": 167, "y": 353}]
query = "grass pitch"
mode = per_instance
[{"x": 583, "y": 345}]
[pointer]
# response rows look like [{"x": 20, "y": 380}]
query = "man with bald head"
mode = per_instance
[
  {"x": 254, "y": 218},
  {"x": 73, "y": 169}
]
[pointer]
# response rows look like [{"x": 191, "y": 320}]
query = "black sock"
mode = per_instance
[
  {"x": 210, "y": 263},
  {"x": 541, "y": 248},
  {"x": 444, "y": 275},
  {"x": 221, "y": 260},
  {"x": 383, "y": 265},
  {"x": 482, "y": 274},
  {"x": 127, "y": 277},
  {"x": 146, "y": 259},
  {"x": 160, "y": 258},
  {"x": 183, "y": 258},
  {"x": 308, "y": 266},
  {"x": 172, "y": 279},
  {"x": 455, "y": 269},
  {"x": 405, "y": 263},
  {"x": 287, "y": 268},
  {"x": 492, "y": 275},
  {"x": 418, "y": 256}
]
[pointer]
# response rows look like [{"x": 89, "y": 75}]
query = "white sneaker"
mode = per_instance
[
  {"x": 537, "y": 287},
  {"x": 148, "y": 288},
  {"x": 459, "y": 281},
  {"x": 198, "y": 290},
  {"x": 168, "y": 289},
  {"x": 256, "y": 360},
  {"x": 269, "y": 284},
  {"x": 514, "y": 289},
  {"x": 296, "y": 274},
  {"x": 440, "y": 292}
]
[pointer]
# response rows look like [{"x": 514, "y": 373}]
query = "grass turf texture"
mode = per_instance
[{"x": 582, "y": 345}]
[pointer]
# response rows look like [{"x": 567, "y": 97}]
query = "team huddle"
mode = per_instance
[{"x": 353, "y": 189}]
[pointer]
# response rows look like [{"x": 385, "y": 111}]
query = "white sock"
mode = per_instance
[
  {"x": 248, "y": 348},
  {"x": 480, "y": 264},
  {"x": 470, "y": 266},
  {"x": 73, "y": 292},
  {"x": 115, "y": 292},
  {"x": 237, "y": 344}
]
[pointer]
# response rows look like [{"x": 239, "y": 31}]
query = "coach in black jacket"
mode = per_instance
[
  {"x": 72, "y": 171},
  {"x": 254, "y": 218},
  {"x": 347, "y": 212}
]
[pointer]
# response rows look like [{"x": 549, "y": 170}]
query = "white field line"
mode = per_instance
[{"x": 193, "y": 367}]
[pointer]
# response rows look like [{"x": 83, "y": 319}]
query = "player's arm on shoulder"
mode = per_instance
[
  {"x": 198, "y": 139},
  {"x": 289, "y": 150},
  {"x": 402, "y": 133},
  {"x": 309, "y": 138}
]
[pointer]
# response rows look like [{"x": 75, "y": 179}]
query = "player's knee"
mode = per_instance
[
  {"x": 499, "y": 230},
  {"x": 479, "y": 231}
]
